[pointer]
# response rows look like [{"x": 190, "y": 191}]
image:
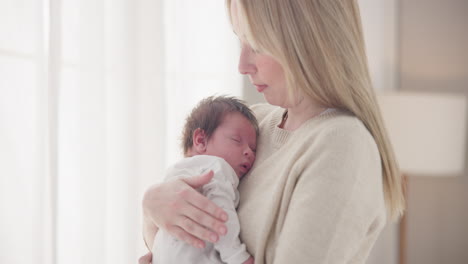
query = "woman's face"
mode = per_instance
[{"x": 263, "y": 70}]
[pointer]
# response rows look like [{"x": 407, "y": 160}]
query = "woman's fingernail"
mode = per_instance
[
  {"x": 222, "y": 230},
  {"x": 224, "y": 217},
  {"x": 213, "y": 238}
]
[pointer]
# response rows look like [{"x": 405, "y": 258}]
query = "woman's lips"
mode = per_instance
[{"x": 260, "y": 88}]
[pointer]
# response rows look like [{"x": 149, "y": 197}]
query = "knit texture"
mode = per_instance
[{"x": 314, "y": 195}]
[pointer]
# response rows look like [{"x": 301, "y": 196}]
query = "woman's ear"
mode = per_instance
[{"x": 200, "y": 141}]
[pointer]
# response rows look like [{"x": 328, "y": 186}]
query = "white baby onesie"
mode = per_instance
[{"x": 222, "y": 190}]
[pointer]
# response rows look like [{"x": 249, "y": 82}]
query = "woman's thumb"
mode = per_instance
[{"x": 200, "y": 180}]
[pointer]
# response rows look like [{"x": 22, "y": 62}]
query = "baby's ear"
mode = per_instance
[{"x": 199, "y": 141}]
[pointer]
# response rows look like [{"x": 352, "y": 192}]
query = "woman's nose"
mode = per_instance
[{"x": 246, "y": 65}]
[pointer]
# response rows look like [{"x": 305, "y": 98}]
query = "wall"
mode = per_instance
[{"x": 434, "y": 57}]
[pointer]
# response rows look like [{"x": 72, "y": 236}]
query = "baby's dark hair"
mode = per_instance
[{"x": 209, "y": 114}]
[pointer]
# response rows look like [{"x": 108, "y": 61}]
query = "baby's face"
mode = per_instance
[{"x": 235, "y": 141}]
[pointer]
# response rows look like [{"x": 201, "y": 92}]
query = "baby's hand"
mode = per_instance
[
  {"x": 146, "y": 259},
  {"x": 249, "y": 261}
]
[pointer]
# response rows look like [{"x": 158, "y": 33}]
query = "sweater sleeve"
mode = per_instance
[
  {"x": 336, "y": 208},
  {"x": 221, "y": 191}
]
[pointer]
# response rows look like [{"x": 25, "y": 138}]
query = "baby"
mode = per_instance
[{"x": 220, "y": 135}]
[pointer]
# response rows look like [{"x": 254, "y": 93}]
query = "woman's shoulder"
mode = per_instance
[
  {"x": 341, "y": 140},
  {"x": 340, "y": 129},
  {"x": 342, "y": 123}
]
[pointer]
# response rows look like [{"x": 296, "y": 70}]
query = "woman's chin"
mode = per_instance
[{"x": 273, "y": 101}]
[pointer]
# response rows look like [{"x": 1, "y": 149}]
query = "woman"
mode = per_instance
[{"x": 325, "y": 178}]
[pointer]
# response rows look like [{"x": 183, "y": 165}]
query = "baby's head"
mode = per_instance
[{"x": 224, "y": 127}]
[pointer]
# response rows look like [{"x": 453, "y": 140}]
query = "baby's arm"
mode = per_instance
[{"x": 230, "y": 248}]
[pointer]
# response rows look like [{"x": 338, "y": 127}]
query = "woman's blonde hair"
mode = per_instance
[{"x": 320, "y": 45}]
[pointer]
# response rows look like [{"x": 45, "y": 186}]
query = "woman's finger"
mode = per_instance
[
  {"x": 195, "y": 229},
  {"x": 200, "y": 180},
  {"x": 201, "y": 210},
  {"x": 185, "y": 213},
  {"x": 183, "y": 235},
  {"x": 201, "y": 201}
]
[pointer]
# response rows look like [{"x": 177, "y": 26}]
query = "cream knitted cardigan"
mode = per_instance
[{"x": 315, "y": 194}]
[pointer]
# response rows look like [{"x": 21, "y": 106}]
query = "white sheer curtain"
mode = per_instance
[
  {"x": 93, "y": 95},
  {"x": 202, "y": 54}
]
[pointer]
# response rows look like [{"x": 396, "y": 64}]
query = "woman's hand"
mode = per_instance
[{"x": 178, "y": 208}]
